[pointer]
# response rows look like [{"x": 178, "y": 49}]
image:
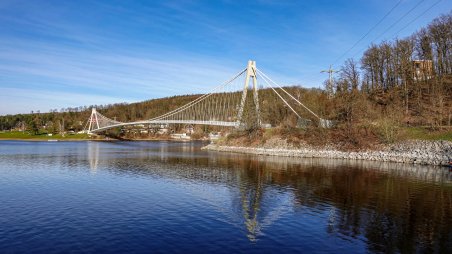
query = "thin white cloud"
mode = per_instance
[
  {"x": 20, "y": 100},
  {"x": 105, "y": 71}
]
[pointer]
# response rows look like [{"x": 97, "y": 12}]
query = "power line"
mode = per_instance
[
  {"x": 387, "y": 29},
  {"x": 368, "y": 32},
  {"x": 420, "y": 15},
  {"x": 400, "y": 19},
  {"x": 431, "y": 6}
]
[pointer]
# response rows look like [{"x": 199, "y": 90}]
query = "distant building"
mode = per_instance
[
  {"x": 423, "y": 69},
  {"x": 183, "y": 136}
]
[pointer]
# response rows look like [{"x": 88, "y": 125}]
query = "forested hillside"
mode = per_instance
[
  {"x": 272, "y": 108},
  {"x": 410, "y": 76}
]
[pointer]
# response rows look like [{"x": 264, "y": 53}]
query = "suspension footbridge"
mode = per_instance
[{"x": 225, "y": 105}]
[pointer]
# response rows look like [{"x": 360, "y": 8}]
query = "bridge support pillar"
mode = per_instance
[{"x": 250, "y": 74}]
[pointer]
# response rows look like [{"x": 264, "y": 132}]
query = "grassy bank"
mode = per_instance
[
  {"x": 419, "y": 133},
  {"x": 18, "y": 135}
]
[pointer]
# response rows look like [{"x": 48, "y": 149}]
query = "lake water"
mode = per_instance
[{"x": 172, "y": 197}]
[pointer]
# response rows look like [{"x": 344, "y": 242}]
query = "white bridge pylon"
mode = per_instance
[{"x": 222, "y": 106}]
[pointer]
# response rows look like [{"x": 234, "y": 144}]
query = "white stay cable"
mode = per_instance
[
  {"x": 196, "y": 101},
  {"x": 86, "y": 125},
  {"x": 266, "y": 77},
  {"x": 104, "y": 118},
  {"x": 280, "y": 97},
  {"x": 192, "y": 103}
]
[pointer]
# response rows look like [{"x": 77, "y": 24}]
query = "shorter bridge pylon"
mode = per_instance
[
  {"x": 93, "y": 121},
  {"x": 97, "y": 121}
]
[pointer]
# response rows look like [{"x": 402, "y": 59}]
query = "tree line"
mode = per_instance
[{"x": 412, "y": 74}]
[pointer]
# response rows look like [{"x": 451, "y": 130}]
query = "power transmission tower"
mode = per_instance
[{"x": 329, "y": 87}]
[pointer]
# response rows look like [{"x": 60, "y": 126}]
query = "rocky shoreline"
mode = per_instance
[{"x": 414, "y": 152}]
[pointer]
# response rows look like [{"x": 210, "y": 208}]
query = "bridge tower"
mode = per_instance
[{"x": 250, "y": 74}]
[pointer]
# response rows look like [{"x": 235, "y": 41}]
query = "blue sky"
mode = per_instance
[{"x": 56, "y": 54}]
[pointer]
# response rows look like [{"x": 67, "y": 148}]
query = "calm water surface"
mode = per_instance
[{"x": 172, "y": 197}]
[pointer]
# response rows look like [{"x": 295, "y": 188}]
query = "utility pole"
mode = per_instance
[{"x": 329, "y": 87}]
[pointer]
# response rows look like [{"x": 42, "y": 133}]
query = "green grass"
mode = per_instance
[
  {"x": 427, "y": 134},
  {"x": 27, "y": 135}
]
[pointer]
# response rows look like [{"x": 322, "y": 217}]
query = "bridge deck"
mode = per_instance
[{"x": 214, "y": 123}]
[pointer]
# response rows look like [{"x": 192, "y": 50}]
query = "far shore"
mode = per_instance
[
  {"x": 95, "y": 139},
  {"x": 50, "y": 139},
  {"x": 41, "y": 139}
]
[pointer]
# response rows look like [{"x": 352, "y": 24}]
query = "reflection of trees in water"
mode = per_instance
[
  {"x": 397, "y": 207},
  {"x": 392, "y": 212}
]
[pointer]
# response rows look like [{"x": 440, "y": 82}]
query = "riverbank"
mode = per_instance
[
  {"x": 48, "y": 140},
  {"x": 413, "y": 151},
  {"x": 44, "y": 138}
]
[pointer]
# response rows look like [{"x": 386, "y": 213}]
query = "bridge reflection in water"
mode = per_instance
[{"x": 411, "y": 204}]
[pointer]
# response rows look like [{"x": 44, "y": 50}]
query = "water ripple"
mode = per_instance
[{"x": 172, "y": 197}]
